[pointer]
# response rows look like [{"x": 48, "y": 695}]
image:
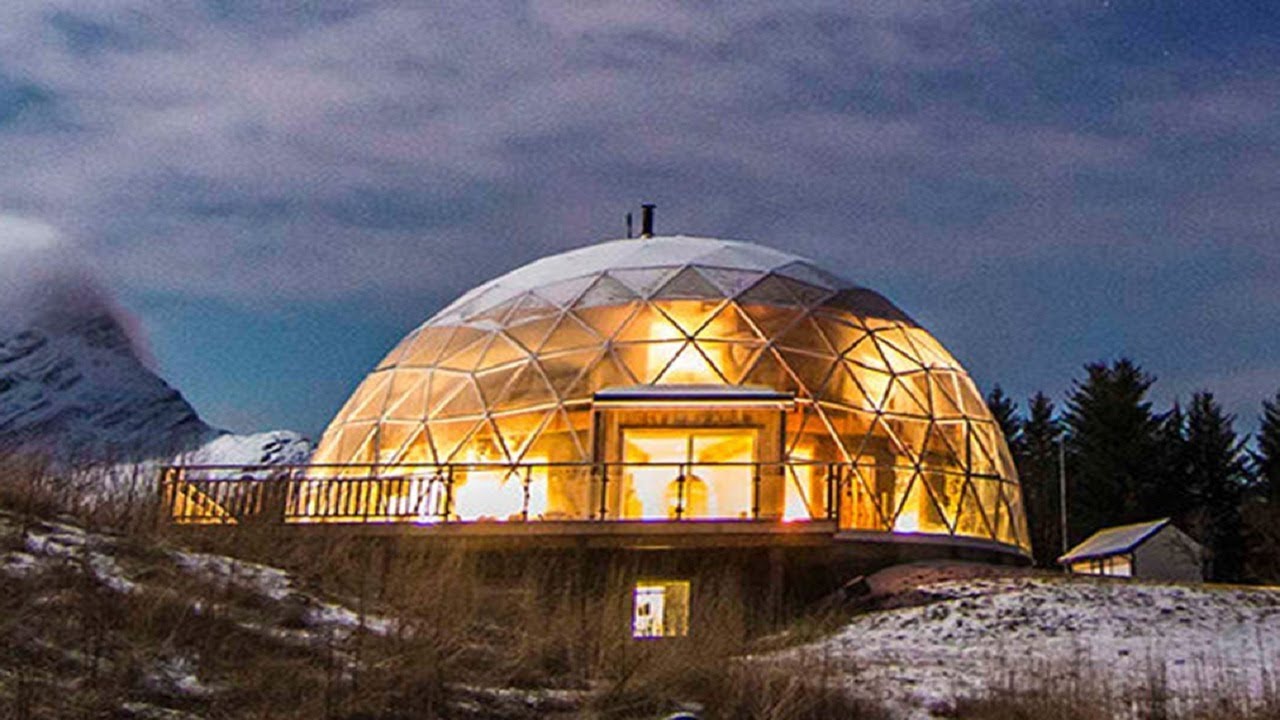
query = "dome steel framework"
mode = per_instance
[{"x": 511, "y": 376}]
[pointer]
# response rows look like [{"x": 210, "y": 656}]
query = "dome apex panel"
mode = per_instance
[{"x": 508, "y": 374}]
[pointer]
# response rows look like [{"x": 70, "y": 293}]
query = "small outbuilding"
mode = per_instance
[{"x": 1154, "y": 550}]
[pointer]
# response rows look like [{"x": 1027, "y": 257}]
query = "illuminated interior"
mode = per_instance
[
  {"x": 683, "y": 477},
  {"x": 1113, "y": 566},
  {"x": 506, "y": 377},
  {"x": 660, "y": 609}
]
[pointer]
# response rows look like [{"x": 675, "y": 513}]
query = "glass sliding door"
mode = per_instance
[{"x": 688, "y": 473}]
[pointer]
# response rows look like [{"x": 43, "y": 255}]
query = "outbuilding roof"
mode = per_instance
[{"x": 1113, "y": 541}]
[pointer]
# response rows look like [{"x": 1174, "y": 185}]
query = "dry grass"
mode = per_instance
[{"x": 466, "y": 635}]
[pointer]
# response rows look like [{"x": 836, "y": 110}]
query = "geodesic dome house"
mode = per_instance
[{"x": 667, "y": 379}]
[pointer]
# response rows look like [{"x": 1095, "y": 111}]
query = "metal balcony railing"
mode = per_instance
[{"x": 488, "y": 492}]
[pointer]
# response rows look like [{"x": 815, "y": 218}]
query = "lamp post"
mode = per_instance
[{"x": 1062, "y": 489}]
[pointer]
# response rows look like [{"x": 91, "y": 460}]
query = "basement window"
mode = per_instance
[{"x": 660, "y": 609}]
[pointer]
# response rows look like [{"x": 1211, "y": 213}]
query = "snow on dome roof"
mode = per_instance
[{"x": 633, "y": 254}]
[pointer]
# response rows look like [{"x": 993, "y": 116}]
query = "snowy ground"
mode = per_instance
[{"x": 1119, "y": 638}]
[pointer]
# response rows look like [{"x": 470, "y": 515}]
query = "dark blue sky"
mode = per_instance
[{"x": 280, "y": 190}]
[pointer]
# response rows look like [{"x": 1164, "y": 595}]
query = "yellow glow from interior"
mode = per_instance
[
  {"x": 497, "y": 494},
  {"x": 660, "y": 609},
  {"x": 909, "y": 519},
  {"x": 705, "y": 491},
  {"x": 798, "y": 476}
]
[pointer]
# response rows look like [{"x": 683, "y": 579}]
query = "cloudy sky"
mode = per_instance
[{"x": 279, "y": 189}]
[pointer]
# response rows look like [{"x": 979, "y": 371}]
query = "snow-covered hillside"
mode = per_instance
[
  {"x": 961, "y": 637},
  {"x": 75, "y": 388}
]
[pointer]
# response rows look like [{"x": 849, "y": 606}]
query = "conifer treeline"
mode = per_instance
[{"x": 1127, "y": 462}]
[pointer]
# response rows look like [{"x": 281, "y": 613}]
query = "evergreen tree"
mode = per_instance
[
  {"x": 1266, "y": 460},
  {"x": 1173, "y": 498},
  {"x": 1216, "y": 475},
  {"x": 1038, "y": 473},
  {"x": 1005, "y": 412},
  {"x": 1113, "y": 439}
]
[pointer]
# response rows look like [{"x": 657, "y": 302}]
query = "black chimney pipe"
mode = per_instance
[{"x": 646, "y": 220}]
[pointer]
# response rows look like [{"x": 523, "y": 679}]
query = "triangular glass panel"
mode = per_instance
[
  {"x": 606, "y": 320},
  {"x": 889, "y": 430},
  {"x": 981, "y": 444},
  {"x": 807, "y": 273},
  {"x": 811, "y": 371},
  {"x": 769, "y": 371},
  {"x": 937, "y": 511},
  {"x": 730, "y": 282},
  {"x": 531, "y": 333},
  {"x": 355, "y": 444},
  {"x": 865, "y": 353},
  {"x": 902, "y": 401},
  {"x": 987, "y": 492},
  {"x": 566, "y": 292},
  {"x": 875, "y": 385},
  {"x": 416, "y": 450},
  {"x": 528, "y": 388},
  {"x": 428, "y": 346},
  {"x": 644, "y": 281},
  {"x": 842, "y": 387},
  {"x": 605, "y": 373},
  {"x": 558, "y": 441},
  {"x": 646, "y": 361},
  {"x": 899, "y": 362},
  {"x": 564, "y": 369},
  {"x": 929, "y": 350},
  {"x": 805, "y": 335},
  {"x": 466, "y": 401},
  {"x": 974, "y": 406},
  {"x": 948, "y": 490},
  {"x": 689, "y": 284},
  {"x": 465, "y": 357},
  {"x": 532, "y": 307},
  {"x": 800, "y": 428},
  {"x": 461, "y": 339},
  {"x": 485, "y": 445},
  {"x": 971, "y": 520},
  {"x": 840, "y": 335},
  {"x": 408, "y": 397},
  {"x": 690, "y": 366},
  {"x": 913, "y": 434},
  {"x": 943, "y": 386},
  {"x": 728, "y": 324},
  {"x": 908, "y": 493},
  {"x": 771, "y": 320},
  {"x": 501, "y": 350},
  {"x": 441, "y": 389},
  {"x": 771, "y": 290},
  {"x": 939, "y": 455},
  {"x": 866, "y": 511},
  {"x": 492, "y": 383},
  {"x": 372, "y": 395},
  {"x": 690, "y": 316},
  {"x": 649, "y": 324},
  {"x": 518, "y": 429},
  {"x": 569, "y": 334},
  {"x": 732, "y": 359},
  {"x": 391, "y": 437},
  {"x": 450, "y": 437},
  {"x": 495, "y": 316},
  {"x": 605, "y": 291},
  {"x": 806, "y": 294}
]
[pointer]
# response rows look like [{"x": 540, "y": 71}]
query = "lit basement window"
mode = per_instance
[{"x": 660, "y": 609}]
